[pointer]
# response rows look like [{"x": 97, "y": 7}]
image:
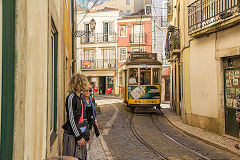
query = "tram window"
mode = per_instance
[
  {"x": 156, "y": 78},
  {"x": 145, "y": 76},
  {"x": 133, "y": 76}
]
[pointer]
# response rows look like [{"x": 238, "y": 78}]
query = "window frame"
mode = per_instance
[
  {"x": 53, "y": 84},
  {"x": 120, "y": 48},
  {"x": 136, "y": 78},
  {"x": 125, "y": 31},
  {"x": 158, "y": 72},
  {"x": 144, "y": 70}
]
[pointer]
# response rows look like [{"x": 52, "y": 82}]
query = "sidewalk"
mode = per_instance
[{"x": 222, "y": 142}]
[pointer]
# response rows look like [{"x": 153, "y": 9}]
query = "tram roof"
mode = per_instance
[{"x": 138, "y": 58}]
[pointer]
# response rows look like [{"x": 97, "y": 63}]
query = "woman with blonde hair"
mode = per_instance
[{"x": 76, "y": 132}]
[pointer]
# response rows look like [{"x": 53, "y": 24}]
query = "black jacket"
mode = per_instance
[{"x": 74, "y": 111}]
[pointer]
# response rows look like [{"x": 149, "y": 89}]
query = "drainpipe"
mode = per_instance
[{"x": 73, "y": 34}]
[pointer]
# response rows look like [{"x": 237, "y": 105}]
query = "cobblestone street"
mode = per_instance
[{"x": 115, "y": 125}]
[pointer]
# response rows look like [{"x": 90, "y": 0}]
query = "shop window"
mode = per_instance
[
  {"x": 110, "y": 82},
  {"x": 133, "y": 76},
  {"x": 145, "y": 76}
]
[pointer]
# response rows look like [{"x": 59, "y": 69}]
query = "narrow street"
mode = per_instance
[{"x": 148, "y": 136}]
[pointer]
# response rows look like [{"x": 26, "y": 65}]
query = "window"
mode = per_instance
[
  {"x": 86, "y": 32},
  {"x": 53, "y": 84},
  {"x": 88, "y": 61},
  {"x": 148, "y": 10},
  {"x": 110, "y": 82},
  {"x": 123, "y": 31},
  {"x": 156, "y": 78},
  {"x": 123, "y": 54},
  {"x": 127, "y": 2},
  {"x": 138, "y": 34},
  {"x": 108, "y": 31},
  {"x": 133, "y": 76},
  {"x": 108, "y": 58},
  {"x": 145, "y": 76}
]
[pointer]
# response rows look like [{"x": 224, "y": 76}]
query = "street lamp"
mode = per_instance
[{"x": 92, "y": 25}]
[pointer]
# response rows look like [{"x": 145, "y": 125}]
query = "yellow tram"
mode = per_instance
[{"x": 141, "y": 80}]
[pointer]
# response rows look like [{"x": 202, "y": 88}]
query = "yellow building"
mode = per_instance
[
  {"x": 204, "y": 71},
  {"x": 33, "y": 76}
]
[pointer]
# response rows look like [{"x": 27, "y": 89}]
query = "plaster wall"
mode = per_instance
[
  {"x": 203, "y": 80},
  {"x": 35, "y": 82},
  {"x": 134, "y": 6},
  {"x": 232, "y": 46},
  {"x": 99, "y": 17},
  {"x": 31, "y": 118}
]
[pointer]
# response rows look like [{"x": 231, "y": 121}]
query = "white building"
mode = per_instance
[
  {"x": 127, "y": 6},
  {"x": 96, "y": 47},
  {"x": 159, "y": 24}
]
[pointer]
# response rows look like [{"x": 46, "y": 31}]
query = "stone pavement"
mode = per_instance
[
  {"x": 99, "y": 149},
  {"x": 219, "y": 141}
]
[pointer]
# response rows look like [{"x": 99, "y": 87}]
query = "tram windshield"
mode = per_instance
[
  {"x": 145, "y": 76},
  {"x": 133, "y": 76}
]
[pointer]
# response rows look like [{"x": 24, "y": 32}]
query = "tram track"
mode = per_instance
[
  {"x": 159, "y": 154},
  {"x": 200, "y": 155},
  {"x": 157, "y": 151}
]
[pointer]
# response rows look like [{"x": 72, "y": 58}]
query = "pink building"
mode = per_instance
[{"x": 134, "y": 34}]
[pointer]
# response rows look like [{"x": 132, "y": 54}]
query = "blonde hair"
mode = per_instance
[{"x": 78, "y": 83}]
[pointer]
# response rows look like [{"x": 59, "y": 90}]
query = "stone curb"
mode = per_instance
[
  {"x": 103, "y": 142},
  {"x": 176, "y": 121}
]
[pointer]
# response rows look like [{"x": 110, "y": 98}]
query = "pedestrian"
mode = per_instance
[
  {"x": 132, "y": 79},
  {"x": 76, "y": 132},
  {"x": 89, "y": 104},
  {"x": 93, "y": 85}
]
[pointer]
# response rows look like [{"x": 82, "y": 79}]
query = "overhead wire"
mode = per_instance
[{"x": 88, "y": 11}]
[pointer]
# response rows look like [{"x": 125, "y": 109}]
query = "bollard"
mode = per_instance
[{"x": 61, "y": 158}]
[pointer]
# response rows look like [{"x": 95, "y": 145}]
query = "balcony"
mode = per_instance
[
  {"x": 139, "y": 38},
  {"x": 172, "y": 42},
  {"x": 98, "y": 64},
  {"x": 211, "y": 15},
  {"x": 98, "y": 38}
]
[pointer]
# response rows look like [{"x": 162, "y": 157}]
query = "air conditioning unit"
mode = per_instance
[
  {"x": 109, "y": 65},
  {"x": 148, "y": 9}
]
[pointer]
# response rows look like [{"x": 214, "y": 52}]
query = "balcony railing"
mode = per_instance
[
  {"x": 98, "y": 64},
  {"x": 137, "y": 38},
  {"x": 204, "y": 13},
  {"x": 172, "y": 42},
  {"x": 98, "y": 37}
]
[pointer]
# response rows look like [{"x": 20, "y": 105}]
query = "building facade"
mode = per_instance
[
  {"x": 205, "y": 69},
  {"x": 32, "y": 77},
  {"x": 134, "y": 35},
  {"x": 127, "y": 6},
  {"x": 97, "y": 48}
]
